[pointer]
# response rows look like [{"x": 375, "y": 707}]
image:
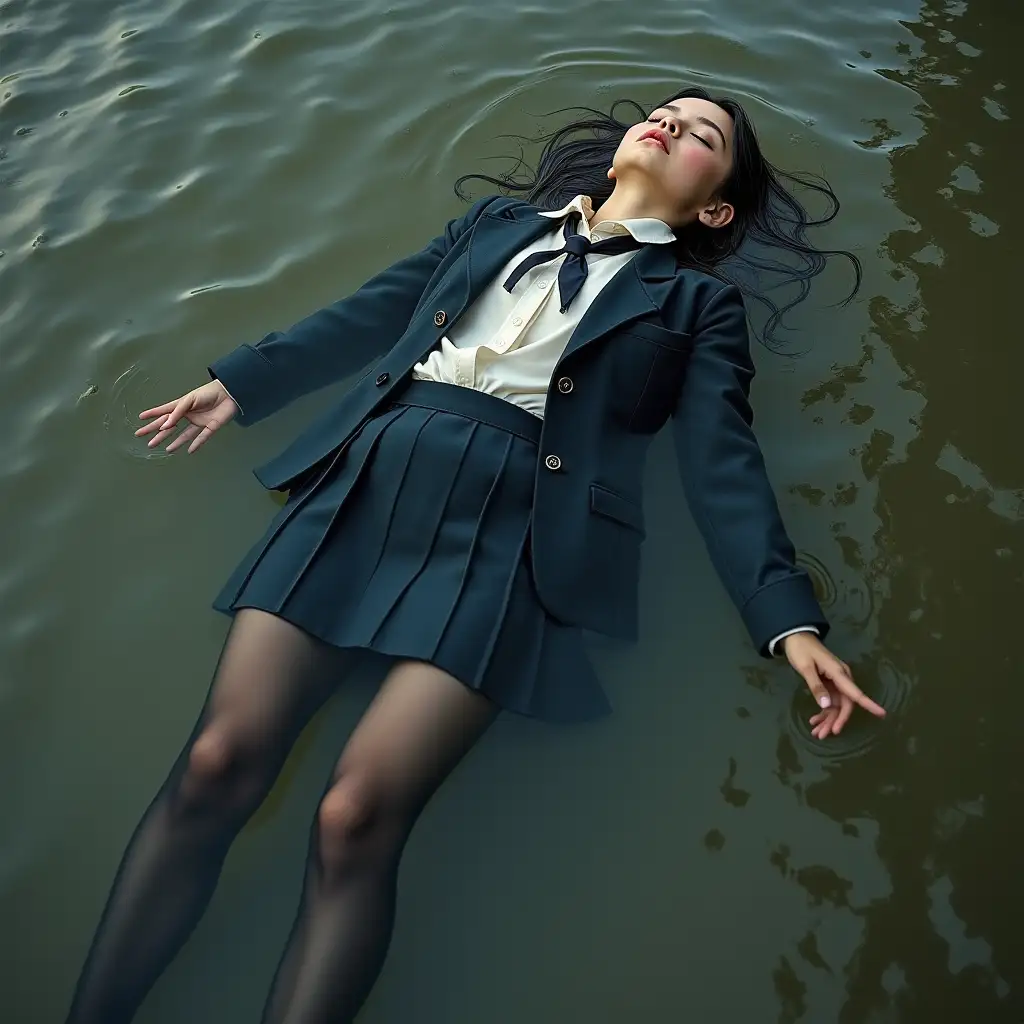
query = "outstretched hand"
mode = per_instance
[
  {"x": 830, "y": 682},
  {"x": 207, "y": 409}
]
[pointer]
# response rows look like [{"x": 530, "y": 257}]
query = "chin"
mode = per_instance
[{"x": 645, "y": 168}]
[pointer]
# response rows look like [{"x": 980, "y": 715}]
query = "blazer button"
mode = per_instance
[
  {"x": 553, "y": 462},
  {"x": 440, "y": 318},
  {"x": 383, "y": 379},
  {"x": 565, "y": 385}
]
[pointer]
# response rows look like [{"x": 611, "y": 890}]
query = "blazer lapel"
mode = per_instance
[
  {"x": 637, "y": 289},
  {"x": 496, "y": 239}
]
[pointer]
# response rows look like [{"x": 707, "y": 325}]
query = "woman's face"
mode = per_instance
[{"x": 679, "y": 158}]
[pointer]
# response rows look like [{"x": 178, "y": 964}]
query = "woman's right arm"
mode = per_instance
[{"x": 337, "y": 340}]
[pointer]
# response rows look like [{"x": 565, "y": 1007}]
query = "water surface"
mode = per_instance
[{"x": 178, "y": 177}]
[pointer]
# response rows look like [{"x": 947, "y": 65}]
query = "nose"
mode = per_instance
[{"x": 670, "y": 125}]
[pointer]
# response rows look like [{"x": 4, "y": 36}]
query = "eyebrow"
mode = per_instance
[{"x": 703, "y": 120}]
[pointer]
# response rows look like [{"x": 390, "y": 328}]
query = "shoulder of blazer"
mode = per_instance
[
  {"x": 507, "y": 208},
  {"x": 686, "y": 296},
  {"x": 701, "y": 285},
  {"x": 713, "y": 293}
]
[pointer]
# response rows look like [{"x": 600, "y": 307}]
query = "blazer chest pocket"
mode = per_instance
[
  {"x": 666, "y": 354},
  {"x": 676, "y": 340}
]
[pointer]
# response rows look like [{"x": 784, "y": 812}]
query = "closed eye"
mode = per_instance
[{"x": 710, "y": 145}]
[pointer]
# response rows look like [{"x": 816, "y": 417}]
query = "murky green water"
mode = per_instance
[{"x": 177, "y": 177}]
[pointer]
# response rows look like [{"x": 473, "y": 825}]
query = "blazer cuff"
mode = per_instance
[
  {"x": 789, "y": 632},
  {"x": 786, "y": 605},
  {"x": 250, "y": 380}
]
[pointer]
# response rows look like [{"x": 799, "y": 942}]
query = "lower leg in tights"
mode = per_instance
[
  {"x": 416, "y": 731},
  {"x": 271, "y": 679}
]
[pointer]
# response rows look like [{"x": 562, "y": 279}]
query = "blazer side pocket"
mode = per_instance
[{"x": 604, "y": 502}]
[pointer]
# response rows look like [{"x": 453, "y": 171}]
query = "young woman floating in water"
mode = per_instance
[{"x": 468, "y": 508}]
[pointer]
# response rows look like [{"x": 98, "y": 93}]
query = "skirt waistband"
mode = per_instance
[{"x": 474, "y": 405}]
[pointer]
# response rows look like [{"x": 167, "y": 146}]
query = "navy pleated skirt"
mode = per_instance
[{"x": 413, "y": 541}]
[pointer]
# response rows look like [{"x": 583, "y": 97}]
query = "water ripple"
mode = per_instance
[
  {"x": 134, "y": 390},
  {"x": 884, "y": 683}
]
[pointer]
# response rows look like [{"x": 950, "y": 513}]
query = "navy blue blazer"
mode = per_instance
[{"x": 658, "y": 343}]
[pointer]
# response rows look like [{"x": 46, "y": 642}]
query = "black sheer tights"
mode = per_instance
[{"x": 271, "y": 679}]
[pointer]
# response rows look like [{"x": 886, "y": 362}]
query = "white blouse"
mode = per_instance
[{"x": 508, "y": 343}]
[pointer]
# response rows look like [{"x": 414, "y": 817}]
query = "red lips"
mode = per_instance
[{"x": 656, "y": 133}]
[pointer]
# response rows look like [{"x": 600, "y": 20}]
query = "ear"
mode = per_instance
[
  {"x": 717, "y": 216},
  {"x": 611, "y": 173}
]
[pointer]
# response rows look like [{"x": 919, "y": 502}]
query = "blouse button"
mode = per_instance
[
  {"x": 553, "y": 462},
  {"x": 517, "y": 321}
]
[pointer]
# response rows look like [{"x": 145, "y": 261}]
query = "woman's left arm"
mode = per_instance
[{"x": 732, "y": 501}]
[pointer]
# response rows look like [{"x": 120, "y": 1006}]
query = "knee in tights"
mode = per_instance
[
  {"x": 224, "y": 774},
  {"x": 354, "y": 826}
]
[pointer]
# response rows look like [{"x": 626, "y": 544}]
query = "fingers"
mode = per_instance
[
  {"x": 821, "y": 724},
  {"x": 159, "y": 438},
  {"x": 842, "y": 679},
  {"x": 845, "y": 710},
  {"x": 832, "y": 679},
  {"x": 833, "y": 721},
  {"x": 204, "y": 435},
  {"x": 158, "y": 416},
  {"x": 149, "y": 427},
  {"x": 165, "y": 427},
  {"x": 816, "y": 685},
  {"x": 160, "y": 410},
  {"x": 186, "y": 435},
  {"x": 178, "y": 410},
  {"x": 210, "y": 405},
  {"x": 195, "y": 433},
  {"x": 858, "y": 697}
]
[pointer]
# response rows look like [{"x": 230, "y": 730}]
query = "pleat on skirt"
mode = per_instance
[{"x": 413, "y": 541}]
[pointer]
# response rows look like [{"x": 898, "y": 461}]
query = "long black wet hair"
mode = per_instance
[{"x": 767, "y": 237}]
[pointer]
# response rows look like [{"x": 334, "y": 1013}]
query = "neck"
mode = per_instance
[{"x": 626, "y": 204}]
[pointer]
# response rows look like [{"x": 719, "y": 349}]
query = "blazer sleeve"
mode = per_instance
[
  {"x": 726, "y": 483},
  {"x": 337, "y": 340}
]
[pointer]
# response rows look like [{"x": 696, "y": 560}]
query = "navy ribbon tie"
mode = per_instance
[{"x": 573, "y": 272}]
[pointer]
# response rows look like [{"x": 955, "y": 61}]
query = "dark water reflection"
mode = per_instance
[
  {"x": 945, "y": 944},
  {"x": 175, "y": 178}
]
